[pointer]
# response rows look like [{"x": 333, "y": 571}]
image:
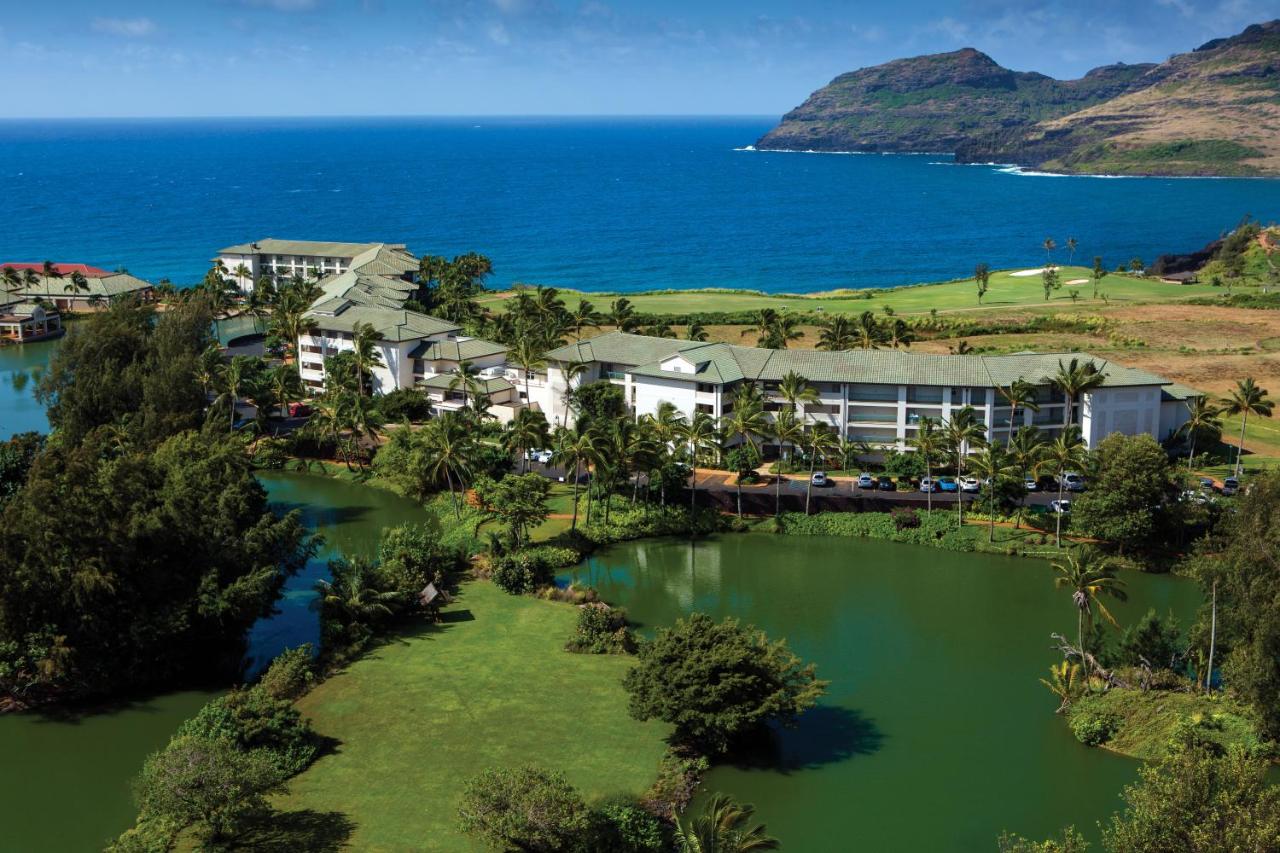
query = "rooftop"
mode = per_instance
[
  {"x": 391, "y": 324},
  {"x": 456, "y": 350},
  {"x": 65, "y": 269},
  {"x": 724, "y": 363},
  {"x": 441, "y": 381},
  {"x": 107, "y": 285},
  {"x": 316, "y": 248}
]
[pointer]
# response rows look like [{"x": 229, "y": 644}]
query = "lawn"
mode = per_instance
[
  {"x": 1005, "y": 291},
  {"x": 491, "y": 686}
]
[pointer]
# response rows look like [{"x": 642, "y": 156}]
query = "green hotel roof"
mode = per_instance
[
  {"x": 358, "y": 288},
  {"x": 440, "y": 382},
  {"x": 318, "y": 248},
  {"x": 391, "y": 325},
  {"x": 455, "y": 350},
  {"x": 721, "y": 363},
  {"x": 108, "y": 286}
]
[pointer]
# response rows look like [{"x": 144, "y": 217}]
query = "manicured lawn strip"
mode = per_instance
[
  {"x": 491, "y": 686},
  {"x": 1005, "y": 291}
]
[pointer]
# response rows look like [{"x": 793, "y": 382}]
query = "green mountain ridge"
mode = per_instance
[{"x": 1213, "y": 111}]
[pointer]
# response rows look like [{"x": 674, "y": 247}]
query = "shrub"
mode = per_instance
[
  {"x": 639, "y": 523},
  {"x": 937, "y": 528},
  {"x": 291, "y": 674},
  {"x": 404, "y": 404},
  {"x": 678, "y": 778},
  {"x": 252, "y": 720},
  {"x": 528, "y": 569},
  {"x": 602, "y": 630},
  {"x": 1093, "y": 728},
  {"x": 625, "y": 827},
  {"x": 526, "y": 808},
  {"x": 411, "y": 556},
  {"x": 905, "y": 518}
]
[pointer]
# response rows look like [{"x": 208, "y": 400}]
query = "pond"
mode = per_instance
[
  {"x": 935, "y": 733},
  {"x": 64, "y": 782}
]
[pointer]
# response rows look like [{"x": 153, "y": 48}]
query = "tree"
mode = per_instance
[
  {"x": 1130, "y": 486},
  {"x": 1098, "y": 273},
  {"x": 717, "y": 681},
  {"x": 748, "y": 422},
  {"x": 528, "y": 355},
  {"x": 1065, "y": 453},
  {"x": 963, "y": 433},
  {"x": 206, "y": 781},
  {"x": 526, "y": 808},
  {"x": 1203, "y": 418},
  {"x": 981, "y": 276},
  {"x": 467, "y": 377},
  {"x": 527, "y": 431},
  {"x": 447, "y": 446},
  {"x": 286, "y": 386},
  {"x": 1064, "y": 682},
  {"x": 354, "y": 602},
  {"x": 819, "y": 441},
  {"x": 1074, "y": 379},
  {"x": 1049, "y": 281},
  {"x": 899, "y": 334},
  {"x": 787, "y": 430},
  {"x": 364, "y": 352},
  {"x": 868, "y": 333},
  {"x": 1049, "y": 246},
  {"x": 1027, "y": 452},
  {"x": 584, "y": 315},
  {"x": 1071, "y": 249},
  {"x": 992, "y": 465},
  {"x": 1017, "y": 393},
  {"x": 575, "y": 449},
  {"x": 796, "y": 391},
  {"x": 695, "y": 331},
  {"x": 723, "y": 827},
  {"x": 572, "y": 371},
  {"x": 699, "y": 435},
  {"x": 928, "y": 442},
  {"x": 1197, "y": 799},
  {"x": 1090, "y": 578},
  {"x": 837, "y": 334},
  {"x": 517, "y": 501},
  {"x": 1245, "y": 399},
  {"x": 236, "y": 376},
  {"x": 622, "y": 314}
]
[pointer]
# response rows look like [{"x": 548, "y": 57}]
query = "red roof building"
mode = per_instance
[{"x": 65, "y": 269}]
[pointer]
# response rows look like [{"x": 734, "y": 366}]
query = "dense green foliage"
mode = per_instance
[
  {"x": 1128, "y": 494},
  {"x": 526, "y": 809},
  {"x": 518, "y": 502},
  {"x": 291, "y": 674},
  {"x": 717, "y": 681},
  {"x": 529, "y": 569},
  {"x": 602, "y": 630},
  {"x": 937, "y": 528},
  {"x": 16, "y": 457},
  {"x": 254, "y": 721}
]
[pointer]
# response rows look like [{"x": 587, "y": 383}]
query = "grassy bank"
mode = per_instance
[
  {"x": 491, "y": 686},
  {"x": 1005, "y": 290},
  {"x": 1143, "y": 722}
]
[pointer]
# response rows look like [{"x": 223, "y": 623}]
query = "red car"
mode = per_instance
[{"x": 299, "y": 410}]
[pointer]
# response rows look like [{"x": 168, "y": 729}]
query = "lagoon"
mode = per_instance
[{"x": 935, "y": 733}]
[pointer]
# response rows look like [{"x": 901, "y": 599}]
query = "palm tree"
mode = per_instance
[
  {"x": 573, "y": 450},
  {"x": 819, "y": 441},
  {"x": 762, "y": 326},
  {"x": 723, "y": 827},
  {"x": 527, "y": 431},
  {"x": 1063, "y": 682},
  {"x": 448, "y": 444},
  {"x": 1203, "y": 417},
  {"x": 795, "y": 390},
  {"x": 747, "y": 421},
  {"x": 582, "y": 316},
  {"x": 1090, "y": 578},
  {"x": 992, "y": 465},
  {"x": 570, "y": 370},
  {"x": 787, "y": 429},
  {"x": 1018, "y": 393},
  {"x": 867, "y": 332},
  {"x": 695, "y": 332},
  {"x": 622, "y": 314},
  {"x": 981, "y": 277},
  {"x": 1065, "y": 453},
  {"x": 1027, "y": 450},
  {"x": 1071, "y": 249},
  {"x": 76, "y": 283},
  {"x": 837, "y": 334},
  {"x": 10, "y": 278},
  {"x": 698, "y": 434},
  {"x": 785, "y": 329},
  {"x": 1049, "y": 246},
  {"x": 900, "y": 334},
  {"x": 659, "y": 330},
  {"x": 354, "y": 593},
  {"x": 286, "y": 386},
  {"x": 235, "y": 376},
  {"x": 467, "y": 377},
  {"x": 364, "y": 352},
  {"x": 1074, "y": 379},
  {"x": 1245, "y": 398},
  {"x": 928, "y": 442},
  {"x": 528, "y": 355},
  {"x": 962, "y": 433}
]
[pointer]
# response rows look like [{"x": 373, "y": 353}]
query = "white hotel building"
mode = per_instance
[
  {"x": 284, "y": 259},
  {"x": 875, "y": 396}
]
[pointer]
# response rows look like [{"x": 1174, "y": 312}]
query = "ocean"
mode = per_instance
[{"x": 597, "y": 204}]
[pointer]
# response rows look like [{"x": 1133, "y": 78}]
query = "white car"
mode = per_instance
[
  {"x": 819, "y": 478},
  {"x": 1062, "y": 507},
  {"x": 543, "y": 456},
  {"x": 1072, "y": 481},
  {"x": 866, "y": 481},
  {"x": 1031, "y": 484},
  {"x": 969, "y": 484},
  {"x": 928, "y": 484}
]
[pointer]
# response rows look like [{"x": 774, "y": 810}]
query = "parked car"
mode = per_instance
[
  {"x": 928, "y": 484},
  {"x": 1032, "y": 484},
  {"x": 969, "y": 484},
  {"x": 819, "y": 478},
  {"x": 1230, "y": 486},
  {"x": 1208, "y": 485},
  {"x": 1062, "y": 507},
  {"x": 299, "y": 410},
  {"x": 886, "y": 484},
  {"x": 543, "y": 456},
  {"x": 948, "y": 484},
  {"x": 1195, "y": 496},
  {"x": 1072, "y": 481},
  {"x": 866, "y": 481}
]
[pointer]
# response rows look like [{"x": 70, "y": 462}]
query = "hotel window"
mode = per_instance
[
  {"x": 706, "y": 388},
  {"x": 705, "y": 408}
]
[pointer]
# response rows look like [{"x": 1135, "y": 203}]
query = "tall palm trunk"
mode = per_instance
[
  {"x": 1192, "y": 455},
  {"x": 1244, "y": 419},
  {"x": 457, "y": 513},
  {"x": 959, "y": 494},
  {"x": 1058, "y": 533},
  {"x": 808, "y": 489},
  {"x": 928, "y": 496},
  {"x": 1213, "y": 636},
  {"x": 1013, "y": 410},
  {"x": 777, "y": 492},
  {"x": 739, "y": 494},
  {"x": 574, "y": 524}
]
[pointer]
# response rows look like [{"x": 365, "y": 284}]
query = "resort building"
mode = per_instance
[
  {"x": 417, "y": 351},
  {"x": 26, "y": 320},
  {"x": 284, "y": 259},
  {"x": 873, "y": 396},
  {"x": 73, "y": 287}
]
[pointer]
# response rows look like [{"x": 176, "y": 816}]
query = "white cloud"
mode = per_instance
[
  {"x": 127, "y": 27},
  {"x": 498, "y": 34}
]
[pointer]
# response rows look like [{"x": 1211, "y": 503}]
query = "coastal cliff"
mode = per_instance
[{"x": 1213, "y": 111}]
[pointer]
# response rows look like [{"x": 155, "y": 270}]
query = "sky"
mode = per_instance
[{"x": 80, "y": 58}]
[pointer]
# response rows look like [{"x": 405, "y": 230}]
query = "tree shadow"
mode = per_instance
[
  {"x": 825, "y": 734},
  {"x": 287, "y": 832}
]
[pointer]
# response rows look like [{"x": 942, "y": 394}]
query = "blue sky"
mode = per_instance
[{"x": 504, "y": 57}]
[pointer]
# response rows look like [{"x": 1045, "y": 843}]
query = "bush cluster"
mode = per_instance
[
  {"x": 938, "y": 528},
  {"x": 640, "y": 522},
  {"x": 1091, "y": 727},
  {"x": 602, "y": 630},
  {"x": 529, "y": 569}
]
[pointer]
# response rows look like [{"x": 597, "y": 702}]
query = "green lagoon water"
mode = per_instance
[
  {"x": 64, "y": 782},
  {"x": 935, "y": 733}
]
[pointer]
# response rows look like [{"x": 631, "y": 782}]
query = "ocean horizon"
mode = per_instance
[{"x": 618, "y": 203}]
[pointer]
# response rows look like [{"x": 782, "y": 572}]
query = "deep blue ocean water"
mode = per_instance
[{"x": 617, "y": 204}]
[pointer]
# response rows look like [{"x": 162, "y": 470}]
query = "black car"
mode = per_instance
[{"x": 886, "y": 484}]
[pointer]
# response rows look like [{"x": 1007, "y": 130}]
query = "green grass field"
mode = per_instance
[
  {"x": 492, "y": 686},
  {"x": 1005, "y": 291}
]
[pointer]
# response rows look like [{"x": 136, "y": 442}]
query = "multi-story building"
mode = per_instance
[
  {"x": 23, "y": 320},
  {"x": 873, "y": 396},
  {"x": 74, "y": 286},
  {"x": 416, "y": 350},
  {"x": 284, "y": 259}
]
